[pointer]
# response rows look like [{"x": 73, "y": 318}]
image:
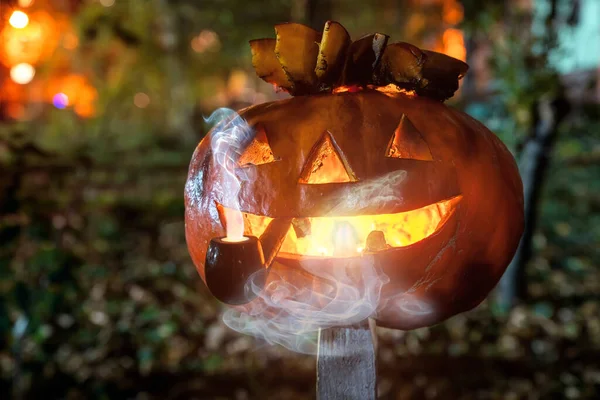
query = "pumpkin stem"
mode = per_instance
[{"x": 303, "y": 61}]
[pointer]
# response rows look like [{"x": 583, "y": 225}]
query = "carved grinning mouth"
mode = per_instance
[{"x": 348, "y": 236}]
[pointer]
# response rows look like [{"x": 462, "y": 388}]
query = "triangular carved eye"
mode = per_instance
[
  {"x": 258, "y": 151},
  {"x": 326, "y": 164},
  {"x": 407, "y": 142}
]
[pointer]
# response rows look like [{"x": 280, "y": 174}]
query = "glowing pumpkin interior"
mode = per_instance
[{"x": 349, "y": 236}]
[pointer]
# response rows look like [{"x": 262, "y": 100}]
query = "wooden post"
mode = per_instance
[{"x": 346, "y": 363}]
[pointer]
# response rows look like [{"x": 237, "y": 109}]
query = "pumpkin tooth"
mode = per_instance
[
  {"x": 332, "y": 52},
  {"x": 363, "y": 58},
  {"x": 273, "y": 237},
  {"x": 302, "y": 227},
  {"x": 267, "y": 65},
  {"x": 376, "y": 241},
  {"x": 297, "y": 49}
]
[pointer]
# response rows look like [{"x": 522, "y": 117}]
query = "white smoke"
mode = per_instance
[
  {"x": 230, "y": 135},
  {"x": 370, "y": 194},
  {"x": 411, "y": 305},
  {"x": 290, "y": 310},
  {"x": 294, "y": 305}
]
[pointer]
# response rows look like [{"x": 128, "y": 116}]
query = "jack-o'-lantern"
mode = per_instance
[{"x": 364, "y": 164}]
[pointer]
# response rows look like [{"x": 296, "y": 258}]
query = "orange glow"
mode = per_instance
[
  {"x": 25, "y": 3},
  {"x": 343, "y": 89},
  {"x": 388, "y": 89},
  {"x": 234, "y": 240},
  {"x": 237, "y": 83},
  {"x": 12, "y": 92},
  {"x": 31, "y": 43},
  {"x": 70, "y": 41},
  {"x": 326, "y": 164},
  {"x": 206, "y": 40},
  {"x": 407, "y": 142},
  {"x": 233, "y": 222},
  {"x": 452, "y": 12},
  {"x": 453, "y": 41},
  {"x": 23, "y": 45},
  {"x": 258, "y": 151},
  {"x": 393, "y": 89},
  {"x": 18, "y": 20},
  {"x": 81, "y": 95},
  {"x": 352, "y": 235},
  {"x": 454, "y": 44}
]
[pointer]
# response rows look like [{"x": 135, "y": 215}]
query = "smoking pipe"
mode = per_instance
[{"x": 236, "y": 271}]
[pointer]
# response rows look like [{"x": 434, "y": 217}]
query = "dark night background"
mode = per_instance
[{"x": 98, "y": 296}]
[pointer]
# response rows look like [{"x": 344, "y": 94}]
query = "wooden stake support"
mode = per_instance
[{"x": 346, "y": 363}]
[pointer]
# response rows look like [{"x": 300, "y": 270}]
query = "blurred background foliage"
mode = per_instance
[{"x": 98, "y": 296}]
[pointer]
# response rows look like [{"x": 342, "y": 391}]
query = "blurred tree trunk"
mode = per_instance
[
  {"x": 547, "y": 113},
  {"x": 533, "y": 165},
  {"x": 180, "y": 111}
]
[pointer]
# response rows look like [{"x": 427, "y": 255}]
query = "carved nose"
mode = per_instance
[{"x": 326, "y": 163}]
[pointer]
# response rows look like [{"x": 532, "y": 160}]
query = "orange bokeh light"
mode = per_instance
[
  {"x": 80, "y": 94},
  {"x": 31, "y": 43},
  {"x": 18, "y": 20},
  {"x": 453, "y": 12},
  {"x": 141, "y": 100},
  {"x": 206, "y": 40},
  {"x": 454, "y": 44}
]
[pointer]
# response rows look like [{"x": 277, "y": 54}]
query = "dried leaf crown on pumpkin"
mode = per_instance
[{"x": 303, "y": 61}]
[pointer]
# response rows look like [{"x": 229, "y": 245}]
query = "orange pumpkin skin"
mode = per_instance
[{"x": 446, "y": 273}]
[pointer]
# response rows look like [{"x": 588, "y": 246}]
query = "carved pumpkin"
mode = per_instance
[{"x": 422, "y": 191}]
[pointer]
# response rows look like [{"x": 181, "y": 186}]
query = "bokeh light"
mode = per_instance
[
  {"x": 33, "y": 43},
  {"x": 141, "y": 100},
  {"x": 60, "y": 100},
  {"x": 453, "y": 12},
  {"x": 25, "y": 3},
  {"x": 454, "y": 44},
  {"x": 70, "y": 41},
  {"x": 206, "y": 40},
  {"x": 22, "y": 73},
  {"x": 18, "y": 19},
  {"x": 107, "y": 3},
  {"x": 73, "y": 91}
]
